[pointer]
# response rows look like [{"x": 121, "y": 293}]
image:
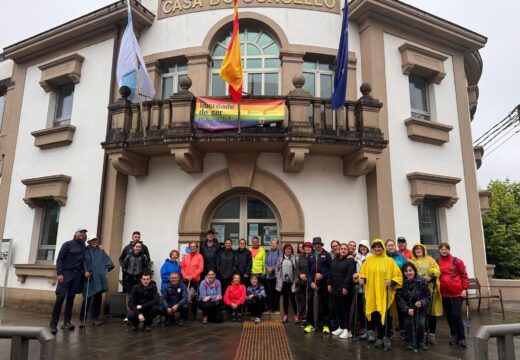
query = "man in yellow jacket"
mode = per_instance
[{"x": 380, "y": 277}]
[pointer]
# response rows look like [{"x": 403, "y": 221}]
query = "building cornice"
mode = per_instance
[
  {"x": 416, "y": 20},
  {"x": 89, "y": 25}
]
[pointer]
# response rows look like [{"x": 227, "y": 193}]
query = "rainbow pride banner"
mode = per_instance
[{"x": 222, "y": 114}]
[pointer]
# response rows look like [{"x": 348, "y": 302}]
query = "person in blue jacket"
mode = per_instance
[
  {"x": 391, "y": 251},
  {"x": 175, "y": 300},
  {"x": 318, "y": 265},
  {"x": 69, "y": 270},
  {"x": 170, "y": 265},
  {"x": 271, "y": 262}
]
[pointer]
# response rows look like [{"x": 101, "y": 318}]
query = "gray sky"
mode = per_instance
[{"x": 498, "y": 85}]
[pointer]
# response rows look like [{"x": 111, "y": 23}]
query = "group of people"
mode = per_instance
[{"x": 365, "y": 289}]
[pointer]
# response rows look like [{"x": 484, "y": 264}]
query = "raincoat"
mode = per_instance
[
  {"x": 98, "y": 264},
  {"x": 375, "y": 270},
  {"x": 360, "y": 259},
  {"x": 427, "y": 266}
]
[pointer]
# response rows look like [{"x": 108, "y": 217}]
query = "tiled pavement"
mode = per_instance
[{"x": 194, "y": 341}]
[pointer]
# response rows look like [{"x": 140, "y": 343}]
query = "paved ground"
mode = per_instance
[{"x": 195, "y": 341}]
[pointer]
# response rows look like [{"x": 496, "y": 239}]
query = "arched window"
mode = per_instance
[
  {"x": 244, "y": 216},
  {"x": 260, "y": 63}
]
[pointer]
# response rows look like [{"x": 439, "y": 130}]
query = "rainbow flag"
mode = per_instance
[
  {"x": 231, "y": 70},
  {"x": 220, "y": 114}
]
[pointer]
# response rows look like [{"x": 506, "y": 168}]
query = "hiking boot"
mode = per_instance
[
  {"x": 147, "y": 329},
  {"x": 371, "y": 336},
  {"x": 67, "y": 326},
  {"x": 409, "y": 347},
  {"x": 257, "y": 320},
  {"x": 462, "y": 344},
  {"x": 379, "y": 343},
  {"x": 326, "y": 330},
  {"x": 423, "y": 346},
  {"x": 337, "y": 332},
  {"x": 54, "y": 329},
  {"x": 432, "y": 339},
  {"x": 402, "y": 335},
  {"x": 453, "y": 341},
  {"x": 387, "y": 343},
  {"x": 364, "y": 336},
  {"x": 308, "y": 329}
]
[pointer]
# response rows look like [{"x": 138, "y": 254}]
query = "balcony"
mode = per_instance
[{"x": 310, "y": 127}]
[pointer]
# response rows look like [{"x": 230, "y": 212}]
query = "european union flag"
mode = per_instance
[{"x": 340, "y": 76}]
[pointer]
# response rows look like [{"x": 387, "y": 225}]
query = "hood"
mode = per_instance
[
  {"x": 366, "y": 244},
  {"x": 379, "y": 241},
  {"x": 171, "y": 261},
  {"x": 423, "y": 247}
]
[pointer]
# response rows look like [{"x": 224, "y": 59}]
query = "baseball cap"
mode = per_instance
[
  {"x": 81, "y": 229},
  {"x": 401, "y": 239}
]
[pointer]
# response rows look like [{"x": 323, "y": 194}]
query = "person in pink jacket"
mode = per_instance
[
  {"x": 192, "y": 266},
  {"x": 234, "y": 298}
]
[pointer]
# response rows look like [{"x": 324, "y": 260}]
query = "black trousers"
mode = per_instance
[
  {"x": 66, "y": 290},
  {"x": 149, "y": 314},
  {"x": 273, "y": 296},
  {"x": 432, "y": 323},
  {"x": 213, "y": 310},
  {"x": 376, "y": 323},
  {"x": 256, "y": 307},
  {"x": 95, "y": 310},
  {"x": 414, "y": 328},
  {"x": 362, "y": 318},
  {"x": 453, "y": 312},
  {"x": 182, "y": 310},
  {"x": 287, "y": 295},
  {"x": 341, "y": 309},
  {"x": 237, "y": 311},
  {"x": 323, "y": 306},
  {"x": 301, "y": 301}
]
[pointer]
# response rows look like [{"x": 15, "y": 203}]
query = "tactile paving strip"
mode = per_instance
[{"x": 266, "y": 341}]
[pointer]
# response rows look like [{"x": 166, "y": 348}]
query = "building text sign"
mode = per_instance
[{"x": 169, "y": 8}]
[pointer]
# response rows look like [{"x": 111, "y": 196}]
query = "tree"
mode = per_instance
[{"x": 502, "y": 229}]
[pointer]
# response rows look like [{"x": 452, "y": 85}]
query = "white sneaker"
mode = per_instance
[
  {"x": 337, "y": 332},
  {"x": 345, "y": 334}
]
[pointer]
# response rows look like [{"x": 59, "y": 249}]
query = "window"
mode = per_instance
[
  {"x": 318, "y": 78},
  {"x": 260, "y": 64},
  {"x": 49, "y": 231},
  {"x": 170, "y": 78},
  {"x": 2, "y": 104},
  {"x": 429, "y": 225},
  {"x": 419, "y": 99},
  {"x": 65, "y": 97},
  {"x": 244, "y": 216}
]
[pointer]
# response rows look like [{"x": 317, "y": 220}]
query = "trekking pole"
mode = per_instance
[
  {"x": 86, "y": 305},
  {"x": 429, "y": 312},
  {"x": 365, "y": 318},
  {"x": 386, "y": 320},
  {"x": 415, "y": 330},
  {"x": 354, "y": 308}
]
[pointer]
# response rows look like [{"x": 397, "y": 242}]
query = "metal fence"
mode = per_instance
[
  {"x": 505, "y": 341},
  {"x": 20, "y": 337}
]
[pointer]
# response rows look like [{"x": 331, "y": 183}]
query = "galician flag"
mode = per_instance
[
  {"x": 340, "y": 76},
  {"x": 231, "y": 70},
  {"x": 131, "y": 69}
]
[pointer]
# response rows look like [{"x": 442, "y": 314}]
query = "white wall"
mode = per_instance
[
  {"x": 82, "y": 160},
  {"x": 334, "y": 206},
  {"x": 6, "y": 69},
  {"x": 409, "y": 156}
]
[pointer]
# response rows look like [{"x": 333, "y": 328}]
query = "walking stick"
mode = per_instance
[
  {"x": 386, "y": 320},
  {"x": 429, "y": 312},
  {"x": 365, "y": 317},
  {"x": 353, "y": 307},
  {"x": 467, "y": 320},
  {"x": 86, "y": 305}
]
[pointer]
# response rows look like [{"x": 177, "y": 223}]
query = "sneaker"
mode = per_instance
[
  {"x": 326, "y": 330},
  {"x": 462, "y": 344},
  {"x": 379, "y": 343},
  {"x": 423, "y": 346},
  {"x": 345, "y": 334},
  {"x": 453, "y": 341},
  {"x": 205, "y": 320},
  {"x": 409, "y": 347},
  {"x": 125, "y": 320},
  {"x": 432, "y": 339},
  {"x": 387, "y": 342},
  {"x": 296, "y": 319},
  {"x": 257, "y": 320},
  {"x": 371, "y": 336},
  {"x": 285, "y": 319},
  {"x": 402, "y": 335},
  {"x": 338, "y": 331},
  {"x": 308, "y": 329},
  {"x": 67, "y": 326},
  {"x": 54, "y": 329},
  {"x": 147, "y": 329}
]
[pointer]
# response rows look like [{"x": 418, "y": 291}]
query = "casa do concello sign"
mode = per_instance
[{"x": 169, "y": 8}]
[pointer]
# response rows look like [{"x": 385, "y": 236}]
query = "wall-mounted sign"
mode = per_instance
[
  {"x": 221, "y": 114},
  {"x": 169, "y": 8}
]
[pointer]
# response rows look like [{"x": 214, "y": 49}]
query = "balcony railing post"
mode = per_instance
[
  {"x": 121, "y": 111},
  {"x": 298, "y": 101},
  {"x": 367, "y": 109},
  {"x": 182, "y": 102}
]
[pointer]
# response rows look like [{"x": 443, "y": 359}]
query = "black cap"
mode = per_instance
[
  {"x": 316, "y": 240},
  {"x": 401, "y": 239}
]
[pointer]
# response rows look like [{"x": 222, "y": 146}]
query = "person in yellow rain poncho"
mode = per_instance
[
  {"x": 380, "y": 277},
  {"x": 428, "y": 268}
]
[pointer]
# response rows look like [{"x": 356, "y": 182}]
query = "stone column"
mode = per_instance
[
  {"x": 292, "y": 65},
  {"x": 198, "y": 71}
]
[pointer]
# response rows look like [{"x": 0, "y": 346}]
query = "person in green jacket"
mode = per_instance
[{"x": 258, "y": 255}]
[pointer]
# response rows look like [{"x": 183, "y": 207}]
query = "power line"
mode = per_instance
[{"x": 492, "y": 139}]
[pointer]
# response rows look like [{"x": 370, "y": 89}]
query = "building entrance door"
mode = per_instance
[{"x": 242, "y": 217}]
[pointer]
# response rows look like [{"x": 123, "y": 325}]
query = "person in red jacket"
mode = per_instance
[
  {"x": 402, "y": 248},
  {"x": 234, "y": 298},
  {"x": 192, "y": 266},
  {"x": 454, "y": 282}
]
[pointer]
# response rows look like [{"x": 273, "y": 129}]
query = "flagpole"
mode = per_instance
[
  {"x": 239, "y": 124},
  {"x": 138, "y": 88}
]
